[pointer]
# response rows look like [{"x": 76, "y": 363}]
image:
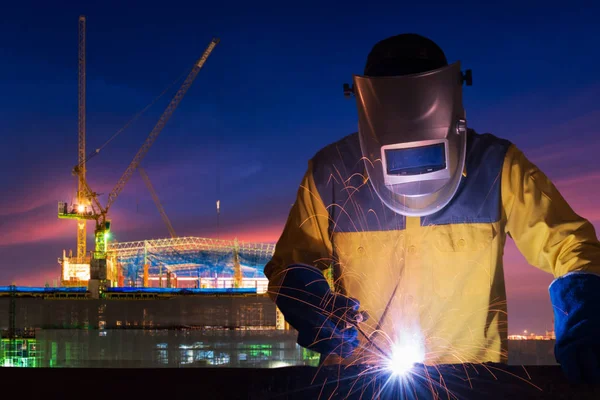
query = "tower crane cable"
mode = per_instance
[
  {"x": 157, "y": 202},
  {"x": 99, "y": 261},
  {"x": 132, "y": 120},
  {"x": 160, "y": 124},
  {"x": 100, "y": 212}
]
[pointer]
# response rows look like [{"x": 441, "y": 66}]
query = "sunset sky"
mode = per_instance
[{"x": 269, "y": 97}]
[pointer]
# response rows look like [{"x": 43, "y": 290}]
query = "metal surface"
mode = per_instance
[
  {"x": 484, "y": 382},
  {"x": 193, "y": 256},
  {"x": 191, "y": 243}
]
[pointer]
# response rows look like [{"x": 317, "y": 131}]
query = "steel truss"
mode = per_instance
[{"x": 191, "y": 256}]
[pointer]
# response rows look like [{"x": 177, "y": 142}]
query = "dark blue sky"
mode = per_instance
[{"x": 268, "y": 98}]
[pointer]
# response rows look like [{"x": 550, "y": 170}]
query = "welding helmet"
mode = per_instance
[{"x": 411, "y": 124}]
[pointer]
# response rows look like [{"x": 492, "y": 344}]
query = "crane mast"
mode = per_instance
[{"x": 81, "y": 191}]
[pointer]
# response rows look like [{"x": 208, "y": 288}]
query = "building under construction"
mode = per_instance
[
  {"x": 73, "y": 326},
  {"x": 169, "y": 303},
  {"x": 203, "y": 294},
  {"x": 186, "y": 262},
  {"x": 164, "y": 329}
]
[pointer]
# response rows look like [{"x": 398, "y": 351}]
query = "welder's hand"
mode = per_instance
[
  {"x": 325, "y": 321},
  {"x": 576, "y": 302}
]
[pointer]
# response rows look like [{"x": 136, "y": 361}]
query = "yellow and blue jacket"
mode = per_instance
[{"x": 439, "y": 278}]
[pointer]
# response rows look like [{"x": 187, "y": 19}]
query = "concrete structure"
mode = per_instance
[
  {"x": 49, "y": 308},
  {"x": 124, "y": 325}
]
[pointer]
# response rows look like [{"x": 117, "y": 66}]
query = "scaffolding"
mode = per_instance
[
  {"x": 192, "y": 261},
  {"x": 192, "y": 244}
]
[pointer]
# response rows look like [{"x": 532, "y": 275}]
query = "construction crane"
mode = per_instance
[
  {"x": 237, "y": 268},
  {"x": 157, "y": 202},
  {"x": 99, "y": 213},
  {"x": 80, "y": 174}
]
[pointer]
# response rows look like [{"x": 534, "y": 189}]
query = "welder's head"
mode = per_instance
[
  {"x": 412, "y": 125},
  {"x": 404, "y": 54}
]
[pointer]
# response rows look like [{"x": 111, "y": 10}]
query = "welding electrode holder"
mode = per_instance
[{"x": 363, "y": 316}]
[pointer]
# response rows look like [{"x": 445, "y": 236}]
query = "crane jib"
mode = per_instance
[{"x": 160, "y": 124}]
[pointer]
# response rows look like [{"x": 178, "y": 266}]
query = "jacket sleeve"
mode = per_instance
[
  {"x": 549, "y": 234},
  {"x": 305, "y": 238}
]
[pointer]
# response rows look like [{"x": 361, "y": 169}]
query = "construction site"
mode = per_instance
[
  {"x": 176, "y": 301},
  {"x": 170, "y": 302},
  {"x": 110, "y": 264},
  {"x": 190, "y": 295},
  {"x": 147, "y": 267}
]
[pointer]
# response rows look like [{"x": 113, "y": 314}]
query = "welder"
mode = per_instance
[{"x": 411, "y": 214}]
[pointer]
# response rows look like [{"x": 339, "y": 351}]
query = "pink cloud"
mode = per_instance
[
  {"x": 36, "y": 193},
  {"x": 559, "y": 152},
  {"x": 39, "y": 225},
  {"x": 46, "y": 273},
  {"x": 582, "y": 192},
  {"x": 580, "y": 181},
  {"x": 528, "y": 301},
  {"x": 527, "y": 287},
  {"x": 571, "y": 139},
  {"x": 260, "y": 234}
]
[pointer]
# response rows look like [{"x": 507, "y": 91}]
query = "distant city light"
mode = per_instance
[{"x": 549, "y": 335}]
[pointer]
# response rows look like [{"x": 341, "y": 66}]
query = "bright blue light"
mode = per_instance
[
  {"x": 180, "y": 290},
  {"x": 33, "y": 289}
]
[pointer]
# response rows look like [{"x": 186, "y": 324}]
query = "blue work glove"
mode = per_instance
[
  {"x": 575, "y": 299},
  {"x": 325, "y": 320}
]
